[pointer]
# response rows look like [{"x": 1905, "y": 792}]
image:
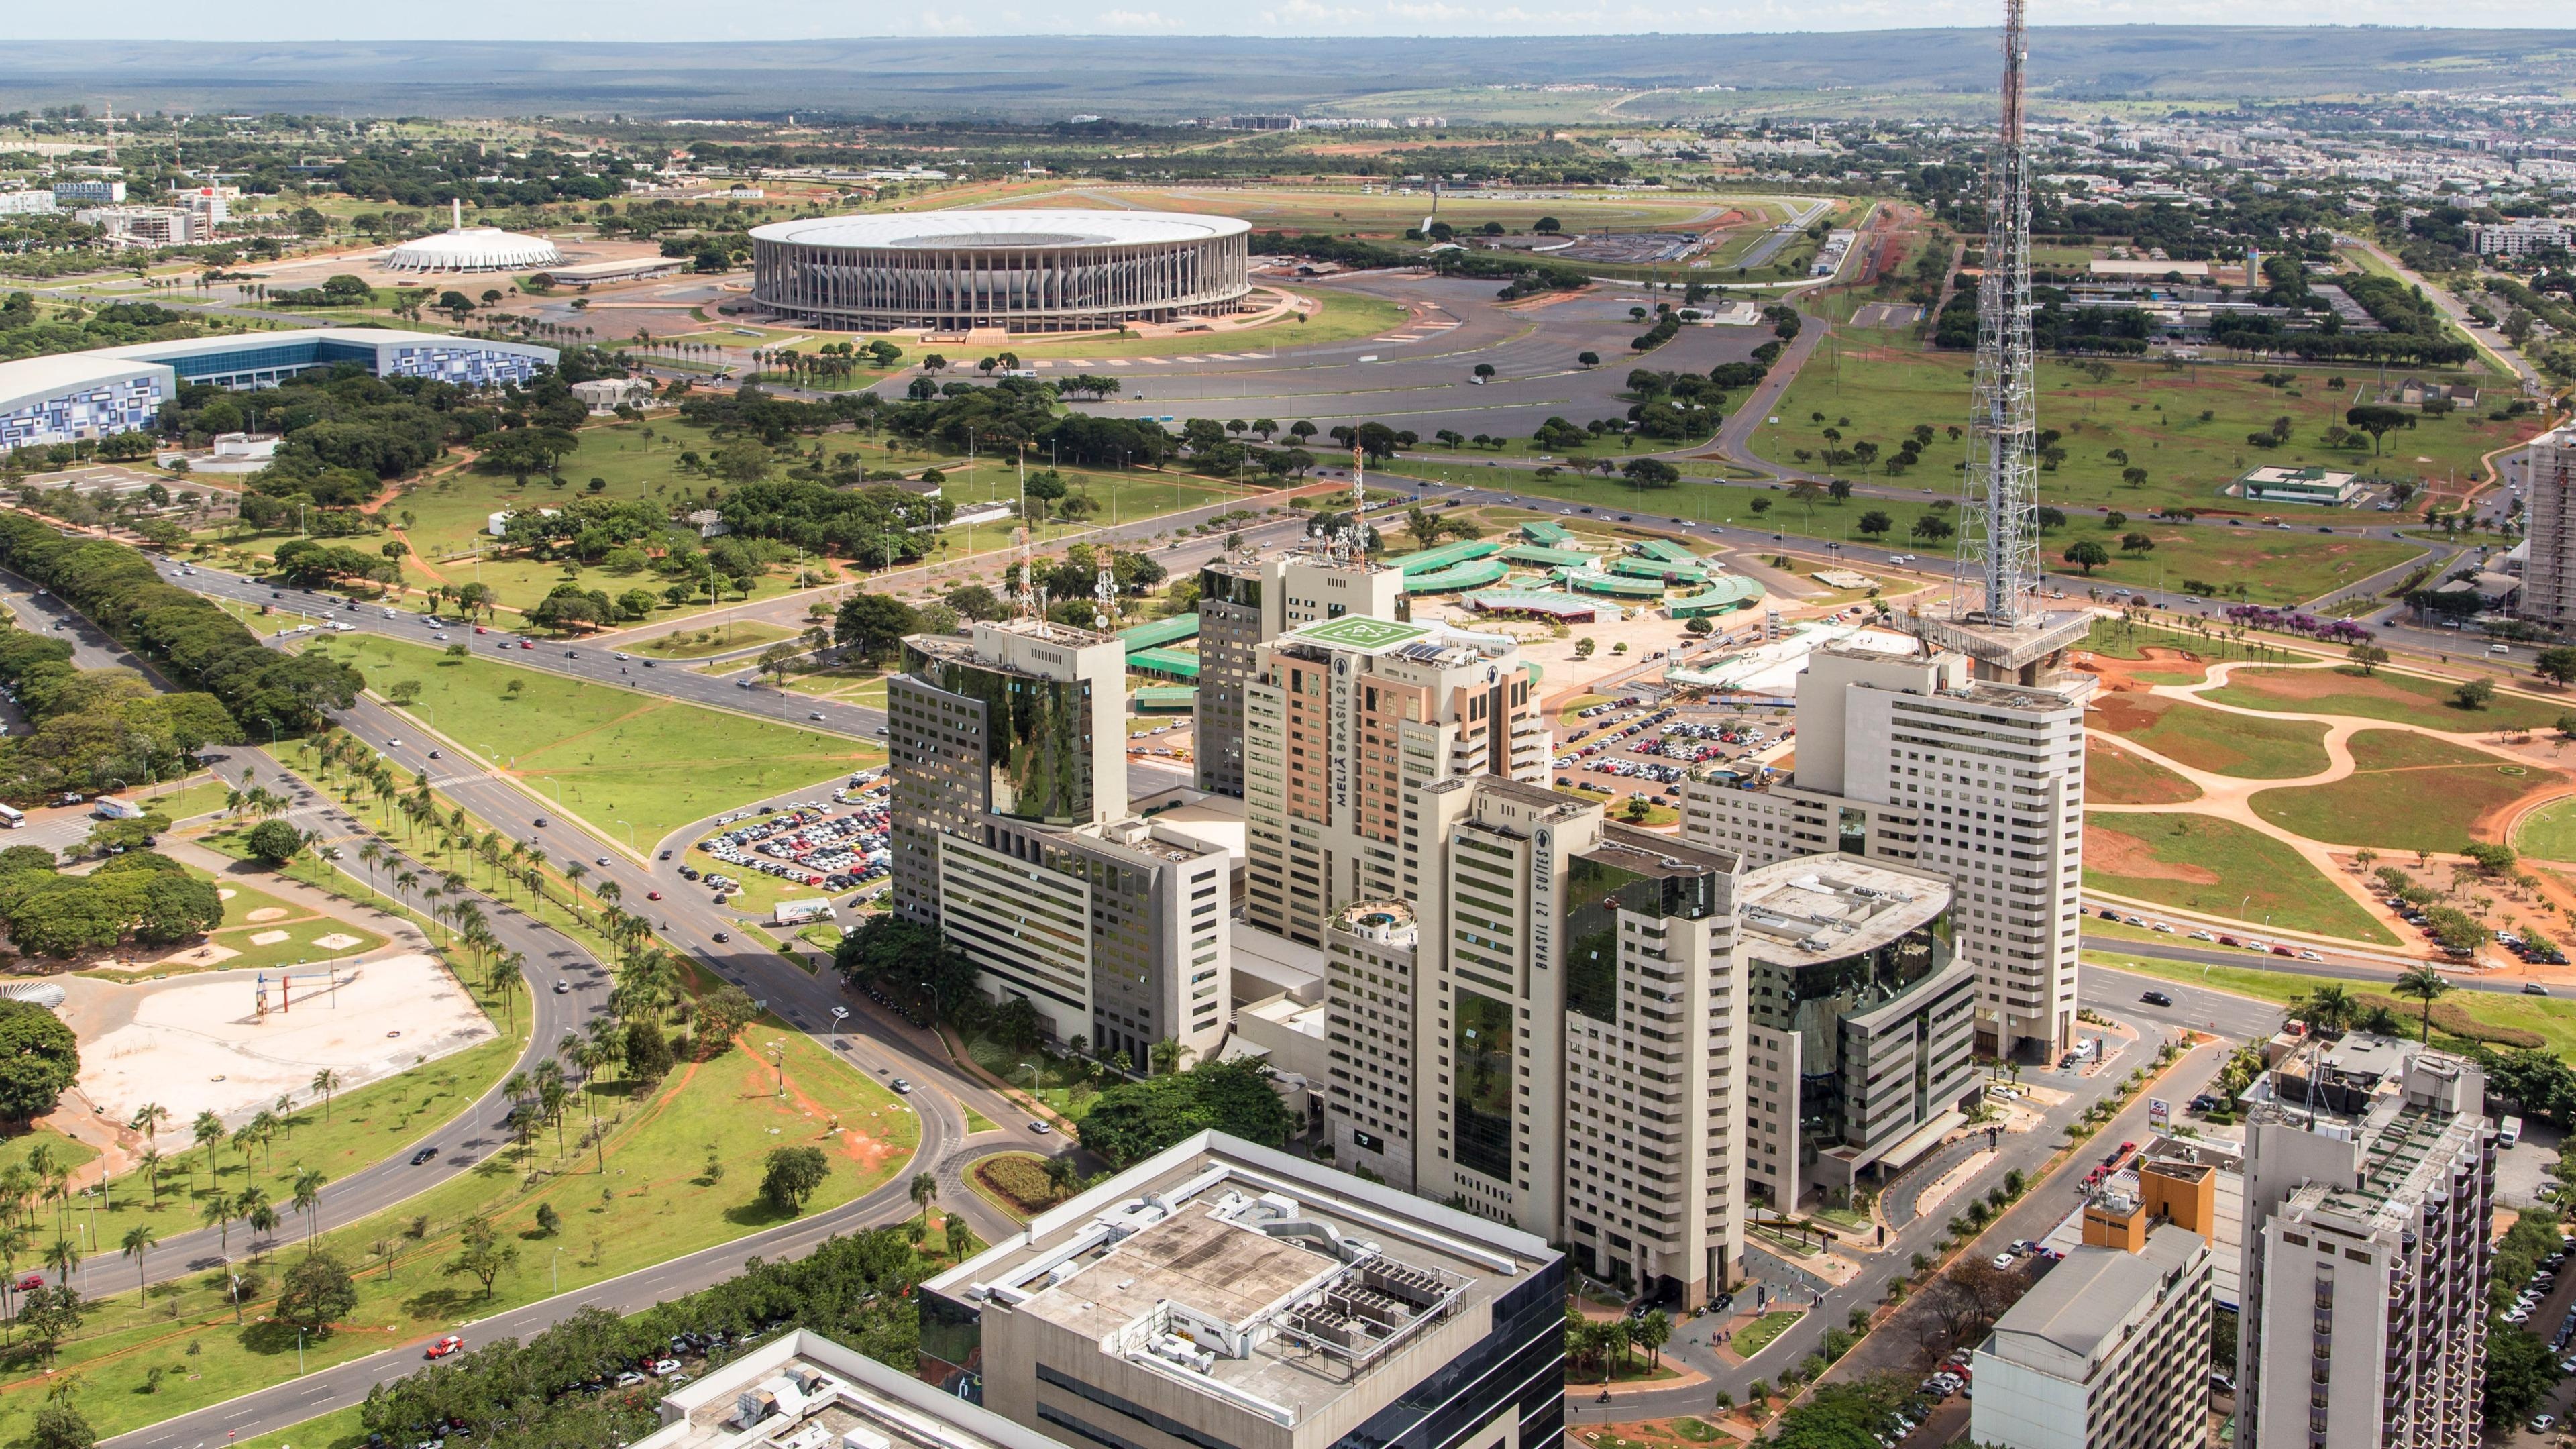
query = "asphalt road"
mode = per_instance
[{"x": 465, "y": 1139}]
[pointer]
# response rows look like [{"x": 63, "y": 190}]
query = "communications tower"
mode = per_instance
[{"x": 1998, "y": 612}]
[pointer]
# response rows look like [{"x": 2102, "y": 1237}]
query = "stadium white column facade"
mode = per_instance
[{"x": 1021, "y": 271}]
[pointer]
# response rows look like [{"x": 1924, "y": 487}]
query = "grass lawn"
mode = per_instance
[
  {"x": 2549, "y": 832},
  {"x": 2553, "y": 1019},
  {"x": 715, "y": 639},
  {"x": 66, "y": 1151},
  {"x": 1756, "y": 1336},
  {"x": 339, "y": 1429},
  {"x": 2220, "y": 868},
  {"x": 2277, "y": 567},
  {"x": 199, "y": 796},
  {"x": 2113, "y": 776},
  {"x": 2205, "y": 739},
  {"x": 2398, "y": 698},
  {"x": 250, "y": 913},
  {"x": 849, "y": 683},
  {"x": 610, "y": 755},
  {"x": 2123, "y": 639},
  {"x": 1116, "y": 497},
  {"x": 682, "y": 1171},
  {"x": 2406, "y": 792},
  {"x": 1878, "y": 389}
]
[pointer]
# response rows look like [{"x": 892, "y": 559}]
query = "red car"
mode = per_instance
[
  {"x": 2283, "y": 951},
  {"x": 479, "y": 629},
  {"x": 445, "y": 1346},
  {"x": 527, "y": 644},
  {"x": 652, "y": 895},
  {"x": 31, "y": 1282}
]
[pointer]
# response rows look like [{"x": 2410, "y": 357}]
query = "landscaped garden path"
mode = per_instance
[{"x": 2444, "y": 792}]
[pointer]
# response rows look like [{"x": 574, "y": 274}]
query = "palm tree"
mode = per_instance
[
  {"x": 62, "y": 1257},
  {"x": 138, "y": 1241},
  {"x": 2329, "y": 1007},
  {"x": 263, "y": 1129},
  {"x": 308, "y": 1200},
  {"x": 209, "y": 1130},
  {"x": 13, "y": 1241},
  {"x": 148, "y": 1119},
  {"x": 217, "y": 1213},
  {"x": 150, "y": 1161},
  {"x": 2424, "y": 984},
  {"x": 925, "y": 1191}
]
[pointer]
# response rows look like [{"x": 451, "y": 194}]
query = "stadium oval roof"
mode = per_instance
[
  {"x": 473, "y": 249},
  {"x": 931, "y": 230}
]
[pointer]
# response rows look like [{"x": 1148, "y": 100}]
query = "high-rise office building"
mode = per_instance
[
  {"x": 1859, "y": 1042},
  {"x": 1914, "y": 758},
  {"x": 2111, "y": 1350},
  {"x": 1224, "y": 1296},
  {"x": 2369, "y": 1187},
  {"x": 2545, "y": 471},
  {"x": 1011, "y": 835},
  {"x": 1346, "y": 720},
  {"x": 1247, "y": 601}
]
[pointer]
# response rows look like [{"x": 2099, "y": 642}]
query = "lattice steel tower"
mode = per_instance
[{"x": 1998, "y": 568}]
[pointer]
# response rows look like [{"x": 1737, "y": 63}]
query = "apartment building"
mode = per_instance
[
  {"x": 1345, "y": 721},
  {"x": 2369, "y": 1190},
  {"x": 2111, "y": 1350},
  {"x": 1915, "y": 759},
  {"x": 1224, "y": 1296},
  {"x": 1011, "y": 835},
  {"x": 2545, "y": 474},
  {"x": 1858, "y": 1041},
  {"x": 1244, "y": 602}
]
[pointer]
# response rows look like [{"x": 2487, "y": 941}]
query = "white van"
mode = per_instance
[{"x": 2498, "y": 649}]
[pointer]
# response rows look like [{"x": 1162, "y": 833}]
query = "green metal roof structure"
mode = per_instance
[
  {"x": 1653, "y": 568},
  {"x": 1550, "y": 558},
  {"x": 1431, "y": 560},
  {"x": 1169, "y": 663},
  {"x": 1165, "y": 698},
  {"x": 1664, "y": 549},
  {"x": 1160, "y": 631},
  {"x": 1471, "y": 575},
  {"x": 1726, "y": 592},
  {"x": 1545, "y": 535},
  {"x": 1589, "y": 582}
]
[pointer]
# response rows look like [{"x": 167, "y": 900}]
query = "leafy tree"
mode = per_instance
[
  {"x": 1651, "y": 473},
  {"x": 792, "y": 1175},
  {"x": 1134, "y": 1120},
  {"x": 275, "y": 842},
  {"x": 483, "y": 1256},
  {"x": 2521, "y": 1372},
  {"x": 39, "y": 1059},
  {"x": 2371, "y": 656},
  {"x": 1874, "y": 523},
  {"x": 318, "y": 1293},
  {"x": 648, "y": 1053},
  {"x": 2557, "y": 665},
  {"x": 2378, "y": 420},
  {"x": 2136, "y": 543},
  {"x": 872, "y": 624},
  {"x": 721, "y": 1013},
  {"x": 2474, "y": 693},
  {"x": 58, "y": 1425},
  {"x": 2087, "y": 555}
]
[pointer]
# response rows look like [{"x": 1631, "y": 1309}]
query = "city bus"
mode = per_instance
[{"x": 10, "y": 818}]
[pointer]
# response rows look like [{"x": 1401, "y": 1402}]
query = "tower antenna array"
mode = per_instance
[{"x": 1998, "y": 566}]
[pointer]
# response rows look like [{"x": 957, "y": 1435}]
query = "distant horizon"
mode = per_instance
[{"x": 667, "y": 22}]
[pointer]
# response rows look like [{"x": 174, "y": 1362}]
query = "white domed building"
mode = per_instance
[{"x": 463, "y": 248}]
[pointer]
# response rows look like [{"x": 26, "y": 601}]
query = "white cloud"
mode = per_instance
[
  {"x": 1305, "y": 16},
  {"x": 1137, "y": 20}
]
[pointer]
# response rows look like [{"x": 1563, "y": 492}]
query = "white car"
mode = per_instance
[
  {"x": 2003, "y": 1260},
  {"x": 2310, "y": 956},
  {"x": 2543, "y": 1423},
  {"x": 2202, "y": 936}
]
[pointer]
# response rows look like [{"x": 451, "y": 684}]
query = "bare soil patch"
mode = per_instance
[{"x": 2113, "y": 853}]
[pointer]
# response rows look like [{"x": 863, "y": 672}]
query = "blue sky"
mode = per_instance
[{"x": 683, "y": 20}]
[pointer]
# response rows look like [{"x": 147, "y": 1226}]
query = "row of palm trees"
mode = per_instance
[{"x": 2331, "y": 1007}]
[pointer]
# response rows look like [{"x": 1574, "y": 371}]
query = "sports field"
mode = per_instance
[{"x": 1877, "y": 387}]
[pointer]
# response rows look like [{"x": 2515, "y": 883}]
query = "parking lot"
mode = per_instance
[
  {"x": 1633, "y": 748},
  {"x": 835, "y": 847}
]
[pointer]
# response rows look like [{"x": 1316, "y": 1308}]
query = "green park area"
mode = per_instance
[
  {"x": 2460, "y": 1017},
  {"x": 2549, "y": 832},
  {"x": 2185, "y": 424},
  {"x": 2207, "y": 739},
  {"x": 2114, "y": 776},
  {"x": 2407, "y": 792},
  {"x": 2216, "y": 867},
  {"x": 259, "y": 932},
  {"x": 635, "y": 1169},
  {"x": 614, "y": 757},
  {"x": 722, "y": 634},
  {"x": 2274, "y": 567},
  {"x": 2397, "y": 698}
]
